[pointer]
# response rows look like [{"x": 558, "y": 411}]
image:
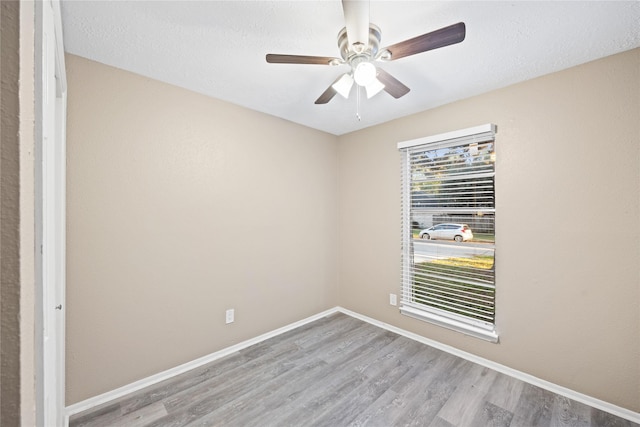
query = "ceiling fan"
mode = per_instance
[{"x": 359, "y": 43}]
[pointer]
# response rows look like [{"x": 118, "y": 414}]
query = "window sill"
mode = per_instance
[{"x": 475, "y": 331}]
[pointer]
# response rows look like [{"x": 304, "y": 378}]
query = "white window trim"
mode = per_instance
[
  {"x": 430, "y": 314},
  {"x": 443, "y": 137}
]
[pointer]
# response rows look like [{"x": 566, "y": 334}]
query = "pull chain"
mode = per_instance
[{"x": 358, "y": 103}]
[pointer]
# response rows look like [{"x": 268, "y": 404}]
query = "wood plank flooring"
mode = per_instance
[{"x": 340, "y": 371}]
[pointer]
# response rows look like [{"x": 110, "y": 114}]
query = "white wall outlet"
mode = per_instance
[
  {"x": 393, "y": 299},
  {"x": 230, "y": 315}
]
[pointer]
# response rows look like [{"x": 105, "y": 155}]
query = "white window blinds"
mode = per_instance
[{"x": 448, "y": 229}]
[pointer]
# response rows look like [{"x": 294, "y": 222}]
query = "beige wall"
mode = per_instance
[
  {"x": 568, "y": 237},
  {"x": 180, "y": 207}
]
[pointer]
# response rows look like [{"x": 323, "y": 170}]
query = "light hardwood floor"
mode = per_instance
[{"x": 340, "y": 371}]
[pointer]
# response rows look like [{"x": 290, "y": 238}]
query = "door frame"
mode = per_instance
[{"x": 51, "y": 220}]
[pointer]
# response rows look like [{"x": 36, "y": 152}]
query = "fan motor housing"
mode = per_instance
[{"x": 348, "y": 53}]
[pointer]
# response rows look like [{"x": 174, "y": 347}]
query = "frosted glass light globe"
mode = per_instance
[{"x": 364, "y": 73}]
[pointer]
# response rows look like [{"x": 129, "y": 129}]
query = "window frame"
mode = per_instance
[{"x": 467, "y": 325}]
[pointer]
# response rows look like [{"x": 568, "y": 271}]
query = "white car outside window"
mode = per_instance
[{"x": 457, "y": 232}]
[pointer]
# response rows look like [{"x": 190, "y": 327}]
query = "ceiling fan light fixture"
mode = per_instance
[
  {"x": 364, "y": 73},
  {"x": 374, "y": 88},
  {"x": 359, "y": 45},
  {"x": 343, "y": 85}
]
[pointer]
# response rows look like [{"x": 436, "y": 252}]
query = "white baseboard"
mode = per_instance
[
  {"x": 154, "y": 379},
  {"x": 554, "y": 388},
  {"x": 107, "y": 397}
]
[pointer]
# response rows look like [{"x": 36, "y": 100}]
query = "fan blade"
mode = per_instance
[
  {"x": 299, "y": 59},
  {"x": 439, "y": 38},
  {"x": 392, "y": 85},
  {"x": 356, "y": 18},
  {"x": 328, "y": 94}
]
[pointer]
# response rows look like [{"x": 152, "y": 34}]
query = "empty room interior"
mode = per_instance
[{"x": 224, "y": 219}]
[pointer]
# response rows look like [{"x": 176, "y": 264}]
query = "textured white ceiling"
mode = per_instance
[{"x": 218, "y": 48}]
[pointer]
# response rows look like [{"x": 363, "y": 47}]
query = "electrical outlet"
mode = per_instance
[
  {"x": 230, "y": 315},
  {"x": 393, "y": 299}
]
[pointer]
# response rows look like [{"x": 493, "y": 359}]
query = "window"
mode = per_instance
[{"x": 448, "y": 230}]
